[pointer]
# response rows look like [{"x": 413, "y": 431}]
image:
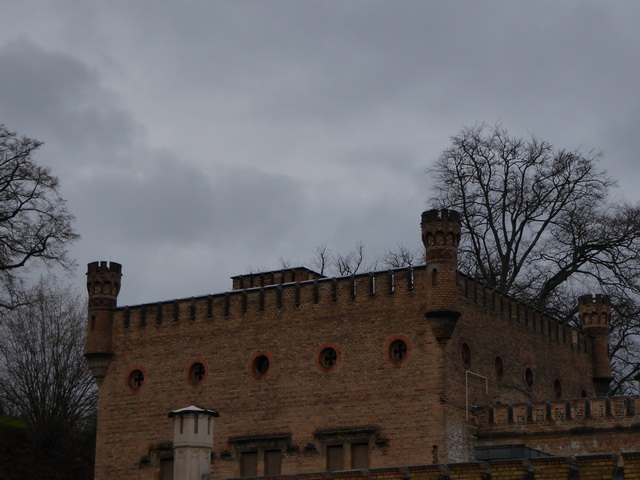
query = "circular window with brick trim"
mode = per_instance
[
  {"x": 135, "y": 379},
  {"x": 498, "y": 367},
  {"x": 528, "y": 377},
  {"x": 397, "y": 350},
  {"x": 557, "y": 389},
  {"x": 261, "y": 365},
  {"x": 197, "y": 373},
  {"x": 465, "y": 355},
  {"x": 327, "y": 357}
]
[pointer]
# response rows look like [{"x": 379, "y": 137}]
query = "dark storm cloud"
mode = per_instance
[
  {"x": 58, "y": 99},
  {"x": 194, "y": 140}
]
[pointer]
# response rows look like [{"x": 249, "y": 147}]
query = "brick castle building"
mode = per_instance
[{"x": 373, "y": 372}]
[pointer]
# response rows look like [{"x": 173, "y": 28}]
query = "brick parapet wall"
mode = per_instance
[
  {"x": 419, "y": 405},
  {"x": 582, "y": 467},
  {"x": 331, "y": 290},
  {"x": 272, "y": 297},
  {"x": 584, "y": 412},
  {"x": 568, "y": 427},
  {"x": 529, "y": 318}
]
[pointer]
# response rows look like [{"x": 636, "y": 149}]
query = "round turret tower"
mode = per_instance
[
  {"x": 594, "y": 312},
  {"x": 441, "y": 237},
  {"x": 103, "y": 285}
]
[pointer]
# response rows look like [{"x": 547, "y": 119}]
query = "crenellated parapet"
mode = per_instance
[
  {"x": 568, "y": 411},
  {"x": 597, "y": 425},
  {"x": 624, "y": 466},
  {"x": 103, "y": 284},
  {"x": 319, "y": 292},
  {"x": 594, "y": 312},
  {"x": 274, "y": 277},
  {"x": 518, "y": 313}
]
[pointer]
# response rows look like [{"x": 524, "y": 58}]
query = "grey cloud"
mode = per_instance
[{"x": 195, "y": 140}]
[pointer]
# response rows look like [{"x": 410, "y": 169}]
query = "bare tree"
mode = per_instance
[
  {"x": 538, "y": 224},
  {"x": 43, "y": 377},
  {"x": 402, "y": 257},
  {"x": 354, "y": 261},
  {"x": 34, "y": 221},
  {"x": 325, "y": 262},
  {"x": 322, "y": 259}
]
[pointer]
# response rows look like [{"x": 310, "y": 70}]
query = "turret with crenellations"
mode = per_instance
[
  {"x": 441, "y": 236},
  {"x": 103, "y": 285},
  {"x": 594, "y": 312}
]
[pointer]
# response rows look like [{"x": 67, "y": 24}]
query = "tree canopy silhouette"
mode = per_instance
[
  {"x": 34, "y": 222},
  {"x": 539, "y": 224}
]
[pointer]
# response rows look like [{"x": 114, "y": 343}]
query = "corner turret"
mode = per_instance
[
  {"x": 103, "y": 285},
  {"x": 594, "y": 312},
  {"x": 441, "y": 237}
]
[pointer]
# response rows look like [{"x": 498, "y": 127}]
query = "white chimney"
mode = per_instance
[{"x": 192, "y": 442}]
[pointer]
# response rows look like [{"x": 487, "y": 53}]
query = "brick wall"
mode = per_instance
[
  {"x": 409, "y": 412},
  {"x": 567, "y": 427},
  {"x": 605, "y": 467}
]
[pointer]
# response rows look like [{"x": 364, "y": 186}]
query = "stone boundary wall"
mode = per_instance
[{"x": 586, "y": 467}]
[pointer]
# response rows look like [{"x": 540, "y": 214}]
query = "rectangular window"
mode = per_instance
[
  {"x": 335, "y": 458},
  {"x": 360, "y": 456},
  {"x": 249, "y": 464},
  {"x": 272, "y": 462},
  {"x": 166, "y": 469}
]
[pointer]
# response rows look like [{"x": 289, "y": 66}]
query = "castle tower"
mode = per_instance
[
  {"x": 594, "y": 312},
  {"x": 441, "y": 236},
  {"x": 103, "y": 285}
]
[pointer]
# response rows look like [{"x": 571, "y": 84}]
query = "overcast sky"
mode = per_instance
[{"x": 195, "y": 140}]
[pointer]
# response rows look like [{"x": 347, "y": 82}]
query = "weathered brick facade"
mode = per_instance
[{"x": 378, "y": 370}]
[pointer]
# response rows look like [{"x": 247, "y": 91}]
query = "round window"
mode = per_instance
[
  {"x": 261, "y": 365},
  {"x": 135, "y": 380},
  {"x": 328, "y": 358},
  {"x": 197, "y": 372},
  {"x": 398, "y": 351}
]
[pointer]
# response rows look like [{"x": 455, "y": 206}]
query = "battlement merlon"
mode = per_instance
[
  {"x": 274, "y": 277},
  {"x": 440, "y": 227},
  {"x": 103, "y": 284},
  {"x": 441, "y": 214},
  {"x": 594, "y": 312},
  {"x": 104, "y": 267}
]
